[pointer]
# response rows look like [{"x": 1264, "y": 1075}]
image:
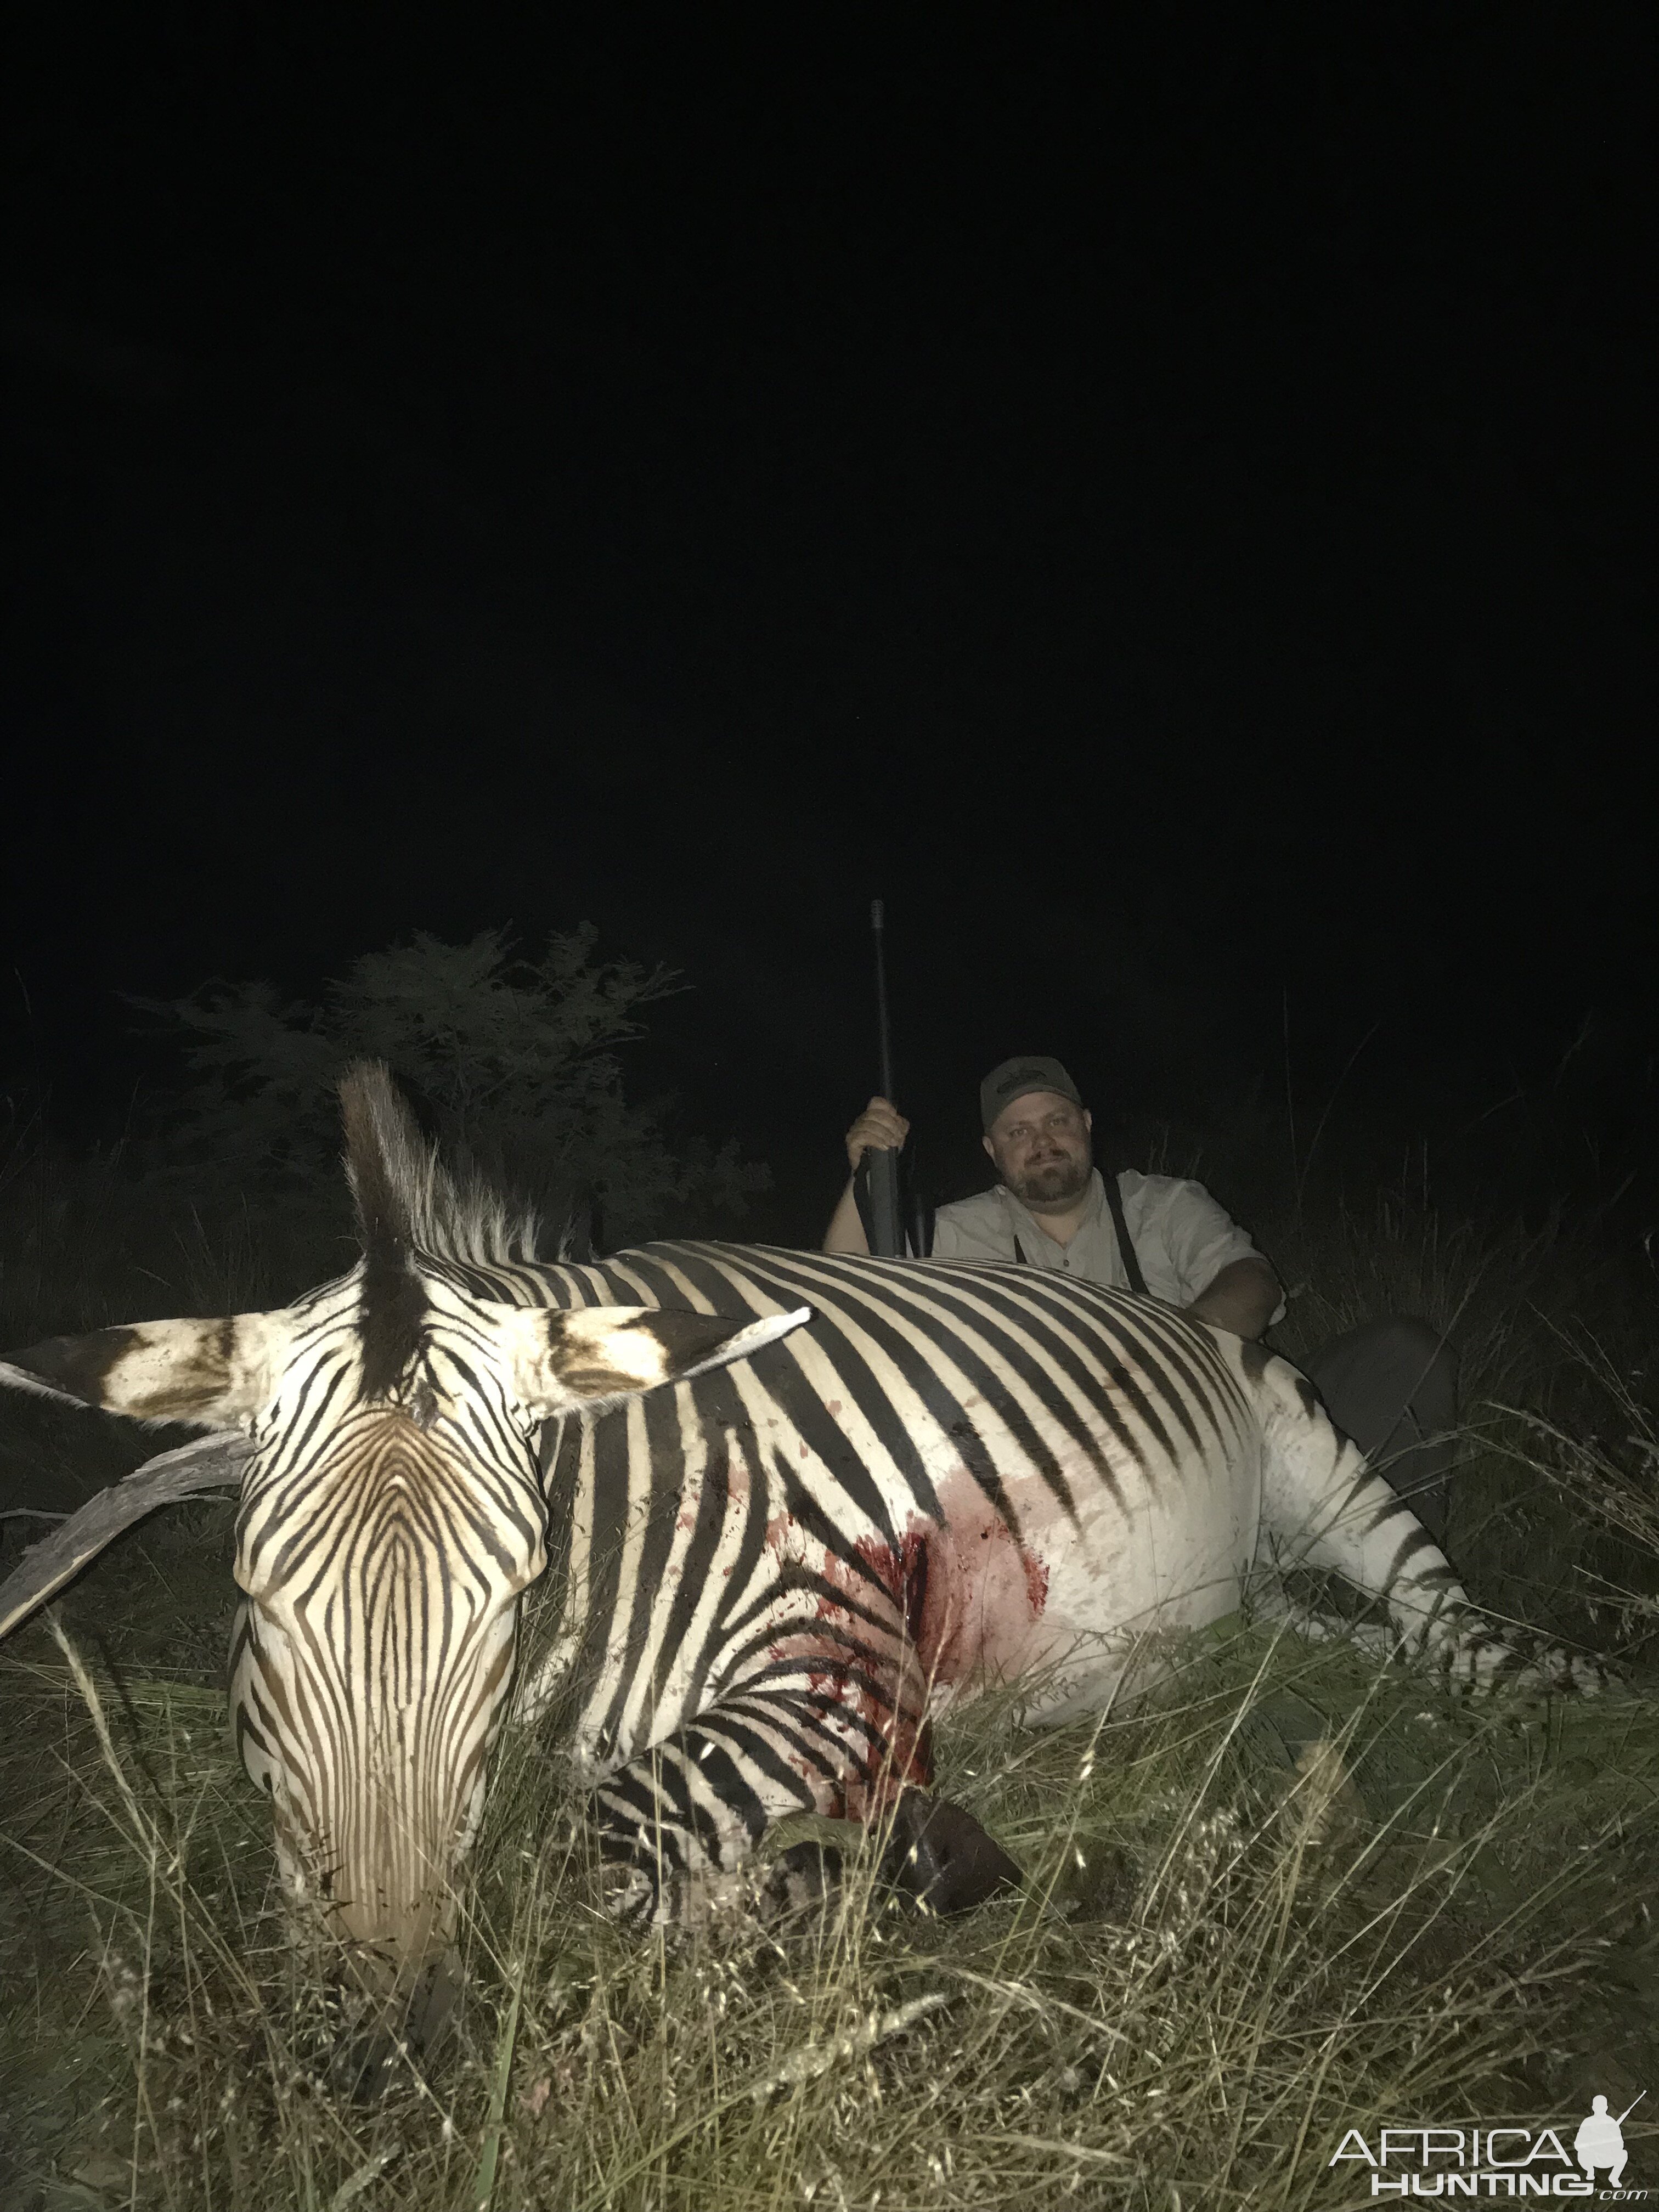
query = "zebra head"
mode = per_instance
[{"x": 391, "y": 1518}]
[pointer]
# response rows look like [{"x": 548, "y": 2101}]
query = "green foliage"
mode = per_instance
[{"x": 513, "y": 1062}]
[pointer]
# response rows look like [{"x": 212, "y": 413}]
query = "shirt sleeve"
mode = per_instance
[
  {"x": 1199, "y": 1238},
  {"x": 947, "y": 1237}
]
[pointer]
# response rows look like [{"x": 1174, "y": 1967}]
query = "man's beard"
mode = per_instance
[{"x": 1056, "y": 1183}]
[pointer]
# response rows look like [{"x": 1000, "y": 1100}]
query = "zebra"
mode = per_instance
[{"x": 791, "y": 1506}]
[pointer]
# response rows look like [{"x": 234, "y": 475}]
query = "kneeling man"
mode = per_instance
[{"x": 1390, "y": 1384}]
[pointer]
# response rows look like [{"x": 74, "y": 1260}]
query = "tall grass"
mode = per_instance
[
  {"x": 1300, "y": 1893},
  {"x": 1299, "y": 1896}
]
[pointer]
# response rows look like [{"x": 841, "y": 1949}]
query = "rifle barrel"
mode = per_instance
[{"x": 884, "y": 1034}]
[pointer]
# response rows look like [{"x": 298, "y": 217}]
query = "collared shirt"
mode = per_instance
[{"x": 1183, "y": 1238}]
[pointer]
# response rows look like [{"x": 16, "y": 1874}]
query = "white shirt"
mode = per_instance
[{"x": 1183, "y": 1238}]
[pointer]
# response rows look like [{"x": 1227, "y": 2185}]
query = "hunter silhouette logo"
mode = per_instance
[
  {"x": 1600, "y": 2141},
  {"x": 1503, "y": 2160}
]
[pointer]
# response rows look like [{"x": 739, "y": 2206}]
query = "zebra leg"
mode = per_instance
[
  {"x": 677, "y": 1822},
  {"x": 935, "y": 1852},
  {"x": 675, "y": 1825},
  {"x": 1324, "y": 1507}
]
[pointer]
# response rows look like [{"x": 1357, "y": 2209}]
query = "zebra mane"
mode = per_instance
[{"x": 407, "y": 1199}]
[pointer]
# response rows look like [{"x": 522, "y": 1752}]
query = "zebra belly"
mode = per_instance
[
  {"x": 1064, "y": 1609},
  {"x": 1122, "y": 1585}
]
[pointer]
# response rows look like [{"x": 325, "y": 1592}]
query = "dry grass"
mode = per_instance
[{"x": 1302, "y": 1894}]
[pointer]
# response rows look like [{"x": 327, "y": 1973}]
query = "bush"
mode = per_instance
[{"x": 512, "y": 1062}]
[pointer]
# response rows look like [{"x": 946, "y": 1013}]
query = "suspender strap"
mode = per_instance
[{"x": 1125, "y": 1244}]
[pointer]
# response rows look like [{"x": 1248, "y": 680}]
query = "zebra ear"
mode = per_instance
[
  {"x": 211, "y": 1374},
  {"x": 597, "y": 1356}
]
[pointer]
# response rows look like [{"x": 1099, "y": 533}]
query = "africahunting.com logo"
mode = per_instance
[{"x": 1500, "y": 2161}]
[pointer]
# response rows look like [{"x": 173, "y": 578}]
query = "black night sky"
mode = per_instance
[{"x": 1167, "y": 506}]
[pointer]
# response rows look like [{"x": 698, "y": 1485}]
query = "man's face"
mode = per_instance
[{"x": 1040, "y": 1146}]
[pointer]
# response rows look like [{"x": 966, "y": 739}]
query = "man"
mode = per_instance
[{"x": 1391, "y": 1385}]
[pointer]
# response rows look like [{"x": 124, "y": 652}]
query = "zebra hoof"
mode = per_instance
[
  {"x": 940, "y": 1856},
  {"x": 364, "y": 2067}
]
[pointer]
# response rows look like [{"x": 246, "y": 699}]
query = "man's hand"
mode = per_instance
[
  {"x": 1241, "y": 1298},
  {"x": 880, "y": 1128}
]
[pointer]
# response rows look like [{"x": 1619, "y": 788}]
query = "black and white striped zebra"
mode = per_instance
[{"x": 875, "y": 1486}]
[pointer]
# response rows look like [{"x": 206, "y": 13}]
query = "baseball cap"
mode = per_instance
[{"x": 1014, "y": 1078}]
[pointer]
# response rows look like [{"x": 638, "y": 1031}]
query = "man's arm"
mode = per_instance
[
  {"x": 880, "y": 1128},
  {"x": 846, "y": 1229},
  {"x": 1244, "y": 1297}
]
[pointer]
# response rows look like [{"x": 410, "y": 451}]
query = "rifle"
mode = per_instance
[{"x": 884, "y": 1228}]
